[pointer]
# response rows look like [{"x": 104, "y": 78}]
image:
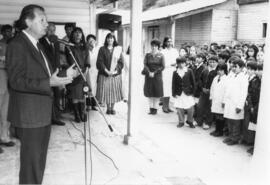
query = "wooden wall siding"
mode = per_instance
[
  {"x": 250, "y": 22},
  {"x": 164, "y": 30},
  {"x": 195, "y": 29},
  {"x": 56, "y": 10},
  {"x": 224, "y": 25}
]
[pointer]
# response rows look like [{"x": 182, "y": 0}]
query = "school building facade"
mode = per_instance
[{"x": 203, "y": 22}]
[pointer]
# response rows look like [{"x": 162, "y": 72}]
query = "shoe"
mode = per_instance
[
  {"x": 205, "y": 126},
  {"x": 227, "y": 140},
  {"x": 154, "y": 111},
  {"x": 190, "y": 124},
  {"x": 232, "y": 142},
  {"x": 7, "y": 144},
  {"x": 108, "y": 112},
  {"x": 166, "y": 111},
  {"x": 58, "y": 122},
  {"x": 113, "y": 112},
  {"x": 180, "y": 125},
  {"x": 250, "y": 150},
  {"x": 170, "y": 110},
  {"x": 213, "y": 133},
  {"x": 218, "y": 134},
  {"x": 151, "y": 111},
  {"x": 1, "y": 150},
  {"x": 94, "y": 108}
]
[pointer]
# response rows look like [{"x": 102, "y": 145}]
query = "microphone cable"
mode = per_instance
[{"x": 100, "y": 151}]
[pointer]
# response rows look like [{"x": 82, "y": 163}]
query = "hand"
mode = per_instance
[
  {"x": 71, "y": 72},
  {"x": 151, "y": 75},
  {"x": 58, "y": 81},
  {"x": 237, "y": 110}
]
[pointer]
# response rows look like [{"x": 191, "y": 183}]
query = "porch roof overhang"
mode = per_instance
[{"x": 176, "y": 11}]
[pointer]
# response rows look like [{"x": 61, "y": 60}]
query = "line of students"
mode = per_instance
[{"x": 220, "y": 87}]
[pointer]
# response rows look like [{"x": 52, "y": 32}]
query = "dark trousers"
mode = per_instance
[
  {"x": 248, "y": 135},
  {"x": 234, "y": 127},
  {"x": 220, "y": 122},
  {"x": 56, "y": 104},
  {"x": 203, "y": 110},
  {"x": 33, "y": 153}
]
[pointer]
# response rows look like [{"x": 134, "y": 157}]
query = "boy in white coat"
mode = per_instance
[{"x": 234, "y": 101}]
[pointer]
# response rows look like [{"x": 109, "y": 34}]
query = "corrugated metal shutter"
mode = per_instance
[
  {"x": 193, "y": 29},
  {"x": 56, "y": 10}
]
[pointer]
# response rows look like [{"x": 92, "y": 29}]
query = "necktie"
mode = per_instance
[{"x": 43, "y": 57}]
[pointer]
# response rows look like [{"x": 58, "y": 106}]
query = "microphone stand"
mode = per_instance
[{"x": 86, "y": 92}]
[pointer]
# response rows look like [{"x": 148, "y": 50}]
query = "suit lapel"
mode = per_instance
[{"x": 36, "y": 54}]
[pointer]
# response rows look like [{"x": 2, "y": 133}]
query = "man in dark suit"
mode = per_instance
[
  {"x": 30, "y": 78},
  {"x": 52, "y": 51}
]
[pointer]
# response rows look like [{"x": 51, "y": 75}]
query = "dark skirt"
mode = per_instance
[
  {"x": 153, "y": 87},
  {"x": 109, "y": 89},
  {"x": 75, "y": 91}
]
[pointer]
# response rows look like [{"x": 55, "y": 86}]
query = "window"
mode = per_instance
[
  {"x": 264, "y": 30},
  {"x": 153, "y": 32}
]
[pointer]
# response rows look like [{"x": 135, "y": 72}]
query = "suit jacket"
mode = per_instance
[
  {"x": 30, "y": 104},
  {"x": 185, "y": 84},
  {"x": 52, "y": 52}
]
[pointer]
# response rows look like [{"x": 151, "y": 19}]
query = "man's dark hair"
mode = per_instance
[
  {"x": 69, "y": 25},
  {"x": 27, "y": 13},
  {"x": 222, "y": 67},
  {"x": 91, "y": 36},
  {"x": 5, "y": 27},
  {"x": 252, "y": 65}
]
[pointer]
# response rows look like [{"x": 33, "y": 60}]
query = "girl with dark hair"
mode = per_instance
[
  {"x": 216, "y": 97},
  {"x": 183, "y": 86},
  {"x": 153, "y": 67},
  {"x": 75, "y": 89},
  {"x": 170, "y": 55},
  {"x": 109, "y": 64},
  {"x": 252, "y": 52}
]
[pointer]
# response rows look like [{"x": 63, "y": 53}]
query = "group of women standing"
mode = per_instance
[{"x": 108, "y": 64}]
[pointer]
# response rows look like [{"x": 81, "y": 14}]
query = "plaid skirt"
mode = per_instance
[{"x": 109, "y": 89}]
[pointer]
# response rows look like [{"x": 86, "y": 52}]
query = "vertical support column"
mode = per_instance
[
  {"x": 173, "y": 30},
  {"x": 260, "y": 164},
  {"x": 135, "y": 54},
  {"x": 93, "y": 18}
]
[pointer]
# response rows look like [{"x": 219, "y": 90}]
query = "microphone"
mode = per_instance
[{"x": 65, "y": 42}]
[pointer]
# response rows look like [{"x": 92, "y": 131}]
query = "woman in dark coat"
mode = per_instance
[
  {"x": 109, "y": 65},
  {"x": 154, "y": 64},
  {"x": 75, "y": 89}
]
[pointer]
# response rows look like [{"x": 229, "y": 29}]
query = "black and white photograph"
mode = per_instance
[{"x": 134, "y": 92}]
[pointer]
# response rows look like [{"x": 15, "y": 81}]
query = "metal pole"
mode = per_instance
[{"x": 135, "y": 53}]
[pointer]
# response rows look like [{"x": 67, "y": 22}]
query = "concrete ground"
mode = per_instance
[{"x": 158, "y": 153}]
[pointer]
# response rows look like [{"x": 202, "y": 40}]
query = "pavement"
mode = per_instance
[{"x": 158, "y": 153}]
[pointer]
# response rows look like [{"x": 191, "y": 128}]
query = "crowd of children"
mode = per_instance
[{"x": 219, "y": 86}]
